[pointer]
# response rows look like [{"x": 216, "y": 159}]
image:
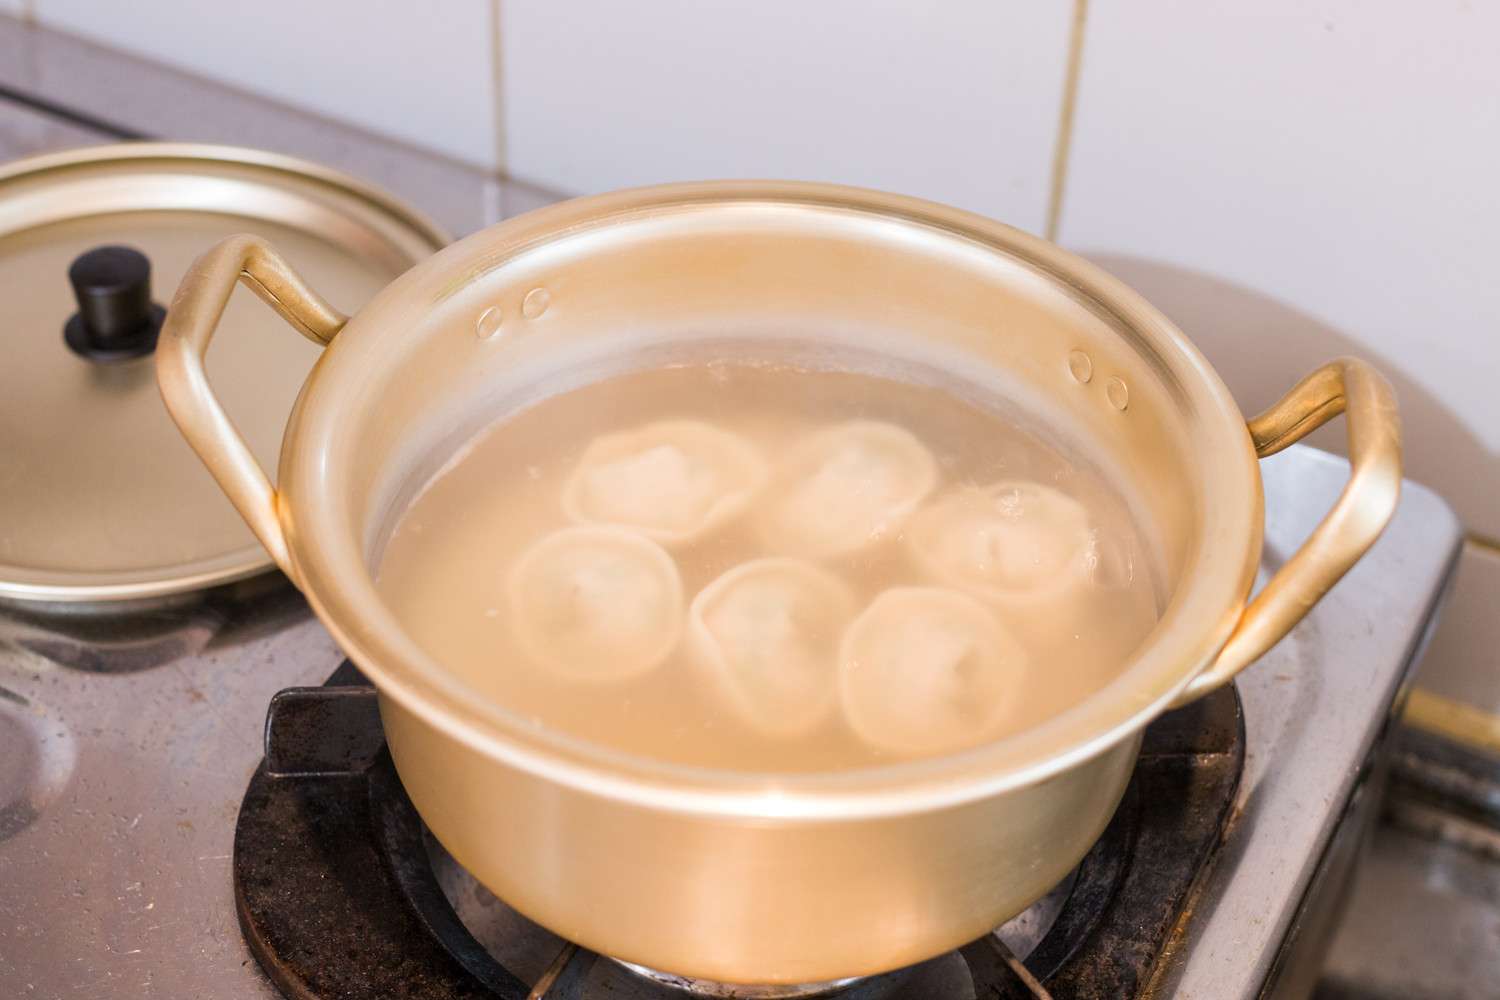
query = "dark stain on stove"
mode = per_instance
[
  {"x": 17, "y": 816},
  {"x": 123, "y": 639},
  {"x": 117, "y": 658},
  {"x": 256, "y": 607}
]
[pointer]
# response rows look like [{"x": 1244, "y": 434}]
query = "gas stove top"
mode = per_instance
[{"x": 128, "y": 740}]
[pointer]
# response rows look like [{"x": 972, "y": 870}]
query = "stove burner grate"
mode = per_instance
[{"x": 340, "y": 890}]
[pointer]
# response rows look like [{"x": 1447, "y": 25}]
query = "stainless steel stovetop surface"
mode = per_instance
[{"x": 126, "y": 744}]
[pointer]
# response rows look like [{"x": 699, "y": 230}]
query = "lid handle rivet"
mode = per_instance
[{"x": 116, "y": 319}]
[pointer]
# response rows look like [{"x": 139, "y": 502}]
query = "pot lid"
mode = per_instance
[{"x": 100, "y": 496}]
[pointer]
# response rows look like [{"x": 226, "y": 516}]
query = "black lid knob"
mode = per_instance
[{"x": 116, "y": 318}]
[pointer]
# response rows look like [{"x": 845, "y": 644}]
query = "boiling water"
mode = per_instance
[{"x": 931, "y": 574}]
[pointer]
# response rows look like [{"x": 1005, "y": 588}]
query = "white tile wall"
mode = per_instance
[
  {"x": 955, "y": 101},
  {"x": 416, "y": 71},
  {"x": 1304, "y": 178}
]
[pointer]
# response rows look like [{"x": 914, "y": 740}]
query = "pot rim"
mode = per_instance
[{"x": 329, "y": 559}]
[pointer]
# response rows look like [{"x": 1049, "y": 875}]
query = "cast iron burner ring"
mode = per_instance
[{"x": 340, "y": 890}]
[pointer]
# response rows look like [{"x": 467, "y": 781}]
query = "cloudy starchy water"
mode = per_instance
[{"x": 772, "y": 568}]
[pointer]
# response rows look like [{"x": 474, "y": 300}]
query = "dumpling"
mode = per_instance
[
  {"x": 674, "y": 480},
  {"x": 926, "y": 670},
  {"x": 596, "y": 603},
  {"x": 768, "y": 633},
  {"x": 1013, "y": 542},
  {"x": 845, "y": 487}
]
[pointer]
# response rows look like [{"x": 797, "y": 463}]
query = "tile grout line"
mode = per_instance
[
  {"x": 1064, "y": 143},
  {"x": 497, "y": 93}
]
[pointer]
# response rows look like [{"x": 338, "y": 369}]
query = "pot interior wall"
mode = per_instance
[
  {"x": 491, "y": 323},
  {"x": 748, "y": 279}
]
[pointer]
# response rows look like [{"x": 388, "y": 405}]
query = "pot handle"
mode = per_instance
[
  {"x": 1344, "y": 385},
  {"x": 191, "y": 320}
]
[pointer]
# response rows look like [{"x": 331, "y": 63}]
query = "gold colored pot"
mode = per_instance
[{"x": 769, "y": 878}]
